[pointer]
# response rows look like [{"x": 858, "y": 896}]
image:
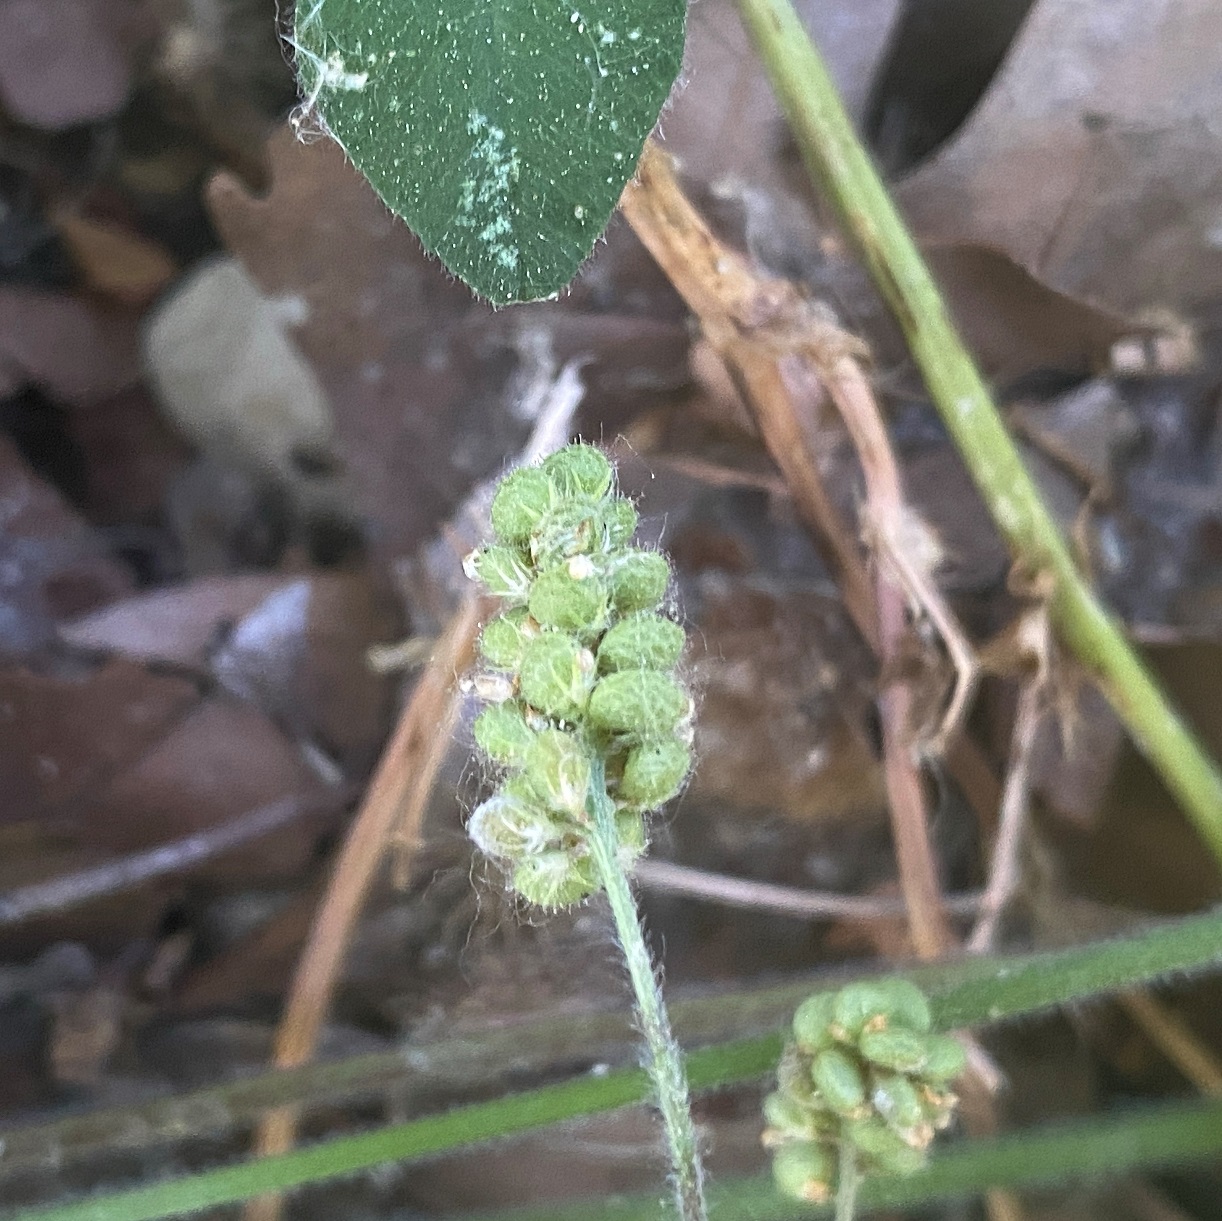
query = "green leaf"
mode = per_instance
[{"x": 502, "y": 131}]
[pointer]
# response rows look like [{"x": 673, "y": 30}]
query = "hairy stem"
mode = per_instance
[
  {"x": 836, "y": 158},
  {"x": 663, "y": 1060},
  {"x": 848, "y": 1179}
]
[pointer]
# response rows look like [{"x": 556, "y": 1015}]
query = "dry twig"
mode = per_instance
[
  {"x": 788, "y": 900},
  {"x": 394, "y": 807},
  {"x": 177, "y": 856},
  {"x": 739, "y": 312},
  {"x": 399, "y": 783},
  {"x": 761, "y": 325},
  {"x": 1176, "y": 1040},
  {"x": 1005, "y": 874}
]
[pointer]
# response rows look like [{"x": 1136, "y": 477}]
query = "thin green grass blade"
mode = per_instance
[
  {"x": 962, "y": 993},
  {"x": 1174, "y": 1134}
]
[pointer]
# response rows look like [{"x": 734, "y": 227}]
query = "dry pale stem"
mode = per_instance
[
  {"x": 401, "y": 784},
  {"x": 1176, "y": 1040},
  {"x": 176, "y": 856},
  {"x": 668, "y": 878},
  {"x": 738, "y": 311},
  {"x": 759, "y": 324},
  {"x": 885, "y": 509},
  {"x": 1005, "y": 873}
]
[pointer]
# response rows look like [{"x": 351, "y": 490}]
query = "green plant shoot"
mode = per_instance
[
  {"x": 580, "y": 676},
  {"x": 503, "y": 133},
  {"x": 588, "y": 723}
]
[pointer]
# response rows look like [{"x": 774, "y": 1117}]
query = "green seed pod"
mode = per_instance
[
  {"x": 804, "y": 1170},
  {"x": 555, "y": 879},
  {"x": 895, "y": 1048},
  {"x": 839, "y": 1080},
  {"x": 899, "y": 1102},
  {"x": 619, "y": 521},
  {"x": 641, "y": 642},
  {"x": 579, "y": 470},
  {"x": 521, "y": 499},
  {"x": 504, "y": 639},
  {"x": 557, "y": 675},
  {"x": 571, "y": 528},
  {"x": 861, "y": 1004},
  {"x": 906, "y": 1005},
  {"x": 639, "y": 581},
  {"x": 813, "y": 1020},
  {"x": 945, "y": 1059},
  {"x": 502, "y": 570},
  {"x": 641, "y": 702},
  {"x": 570, "y": 597},
  {"x": 883, "y": 1149},
  {"x": 785, "y": 1117},
  {"x": 504, "y": 827},
  {"x": 502, "y": 733},
  {"x": 788, "y": 1120},
  {"x": 632, "y": 835},
  {"x": 557, "y": 768},
  {"x": 655, "y": 772}
]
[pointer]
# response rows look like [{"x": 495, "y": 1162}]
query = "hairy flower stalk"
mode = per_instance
[
  {"x": 587, "y": 724},
  {"x": 861, "y": 1089}
]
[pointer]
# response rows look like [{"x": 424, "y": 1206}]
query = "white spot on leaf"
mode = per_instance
[{"x": 495, "y": 169}]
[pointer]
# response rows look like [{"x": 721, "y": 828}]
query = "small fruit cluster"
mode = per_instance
[
  {"x": 580, "y": 669},
  {"x": 865, "y": 1071}
]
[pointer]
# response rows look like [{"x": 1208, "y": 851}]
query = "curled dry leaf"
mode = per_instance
[
  {"x": 731, "y": 143},
  {"x": 295, "y": 647},
  {"x": 1093, "y": 159}
]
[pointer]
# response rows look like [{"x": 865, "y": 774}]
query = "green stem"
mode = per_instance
[
  {"x": 1173, "y": 1134},
  {"x": 836, "y": 158},
  {"x": 664, "y": 1060},
  {"x": 848, "y": 1180}
]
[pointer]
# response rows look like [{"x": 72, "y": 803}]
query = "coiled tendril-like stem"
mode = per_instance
[{"x": 588, "y": 724}]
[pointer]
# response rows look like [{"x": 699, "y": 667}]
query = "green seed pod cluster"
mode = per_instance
[
  {"x": 580, "y": 665},
  {"x": 865, "y": 1070}
]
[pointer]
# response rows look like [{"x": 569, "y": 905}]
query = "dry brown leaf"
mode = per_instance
[
  {"x": 55, "y": 566},
  {"x": 66, "y": 736},
  {"x": 65, "y": 62},
  {"x": 724, "y": 123},
  {"x": 422, "y": 379},
  {"x": 77, "y": 351},
  {"x": 224, "y": 757},
  {"x": 176, "y": 625},
  {"x": 1093, "y": 159},
  {"x": 131, "y": 457}
]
